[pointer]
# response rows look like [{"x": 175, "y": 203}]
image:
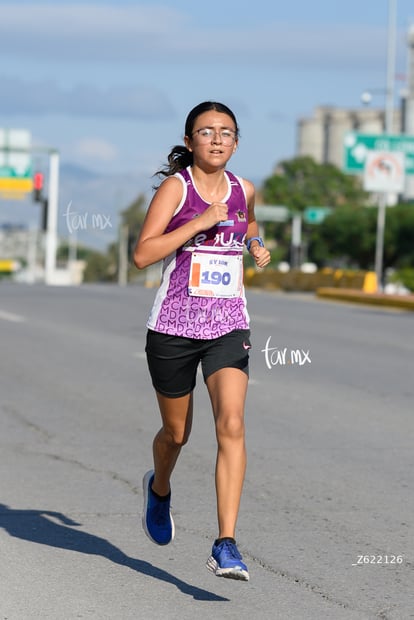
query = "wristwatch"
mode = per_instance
[{"x": 258, "y": 239}]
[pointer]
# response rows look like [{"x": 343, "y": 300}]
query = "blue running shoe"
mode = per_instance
[
  {"x": 226, "y": 561},
  {"x": 157, "y": 521}
]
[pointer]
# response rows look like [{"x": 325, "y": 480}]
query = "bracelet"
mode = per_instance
[{"x": 258, "y": 239}]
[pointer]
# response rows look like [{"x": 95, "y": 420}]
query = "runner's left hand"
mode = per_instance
[{"x": 260, "y": 255}]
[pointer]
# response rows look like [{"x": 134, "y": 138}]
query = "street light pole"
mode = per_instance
[
  {"x": 391, "y": 55},
  {"x": 389, "y": 114}
]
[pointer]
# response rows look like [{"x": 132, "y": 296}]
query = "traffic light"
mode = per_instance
[
  {"x": 37, "y": 186},
  {"x": 44, "y": 215}
]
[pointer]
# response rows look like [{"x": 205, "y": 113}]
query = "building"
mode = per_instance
[{"x": 322, "y": 135}]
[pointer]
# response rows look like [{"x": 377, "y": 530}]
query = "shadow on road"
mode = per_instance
[{"x": 35, "y": 526}]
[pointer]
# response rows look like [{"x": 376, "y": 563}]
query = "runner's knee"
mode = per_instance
[
  {"x": 176, "y": 437},
  {"x": 230, "y": 427}
]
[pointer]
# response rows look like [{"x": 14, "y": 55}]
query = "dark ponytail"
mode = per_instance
[{"x": 180, "y": 157}]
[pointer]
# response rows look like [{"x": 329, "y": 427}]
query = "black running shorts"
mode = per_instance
[{"x": 173, "y": 360}]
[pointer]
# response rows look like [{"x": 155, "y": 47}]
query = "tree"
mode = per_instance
[
  {"x": 302, "y": 182},
  {"x": 348, "y": 237},
  {"x": 345, "y": 238},
  {"x": 103, "y": 267},
  {"x": 133, "y": 217},
  {"x": 400, "y": 219},
  {"x": 99, "y": 268}
]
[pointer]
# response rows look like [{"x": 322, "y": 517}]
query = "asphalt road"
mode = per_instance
[{"x": 326, "y": 522}]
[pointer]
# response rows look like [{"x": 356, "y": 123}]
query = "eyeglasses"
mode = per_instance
[{"x": 206, "y": 134}]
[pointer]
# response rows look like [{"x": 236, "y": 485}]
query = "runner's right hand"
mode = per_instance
[{"x": 215, "y": 213}]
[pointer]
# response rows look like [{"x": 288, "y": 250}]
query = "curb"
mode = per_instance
[{"x": 403, "y": 302}]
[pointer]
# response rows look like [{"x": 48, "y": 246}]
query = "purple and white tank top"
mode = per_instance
[{"x": 201, "y": 294}]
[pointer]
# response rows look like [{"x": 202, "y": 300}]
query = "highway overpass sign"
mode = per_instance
[{"x": 358, "y": 145}]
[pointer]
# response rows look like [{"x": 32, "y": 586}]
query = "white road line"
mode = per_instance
[{"x": 13, "y": 318}]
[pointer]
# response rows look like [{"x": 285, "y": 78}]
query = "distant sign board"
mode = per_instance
[
  {"x": 358, "y": 145},
  {"x": 15, "y": 162},
  {"x": 384, "y": 172},
  {"x": 316, "y": 215},
  {"x": 271, "y": 213}
]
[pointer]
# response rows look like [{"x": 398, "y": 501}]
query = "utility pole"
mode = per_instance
[
  {"x": 389, "y": 114},
  {"x": 52, "y": 213},
  {"x": 123, "y": 255}
]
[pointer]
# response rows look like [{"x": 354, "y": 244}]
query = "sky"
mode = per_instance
[{"x": 109, "y": 84}]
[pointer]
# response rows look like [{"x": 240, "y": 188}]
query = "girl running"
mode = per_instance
[{"x": 198, "y": 222}]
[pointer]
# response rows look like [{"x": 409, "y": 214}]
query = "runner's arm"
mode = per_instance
[{"x": 153, "y": 243}]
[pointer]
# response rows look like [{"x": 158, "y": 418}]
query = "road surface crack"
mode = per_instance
[{"x": 12, "y": 411}]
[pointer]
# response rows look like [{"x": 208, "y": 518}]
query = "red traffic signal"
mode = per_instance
[
  {"x": 38, "y": 181},
  {"x": 37, "y": 186}
]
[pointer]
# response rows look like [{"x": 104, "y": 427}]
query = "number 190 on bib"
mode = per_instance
[{"x": 215, "y": 275}]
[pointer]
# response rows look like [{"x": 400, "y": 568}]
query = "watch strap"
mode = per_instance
[{"x": 249, "y": 242}]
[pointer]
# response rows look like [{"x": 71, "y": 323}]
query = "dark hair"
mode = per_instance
[{"x": 180, "y": 157}]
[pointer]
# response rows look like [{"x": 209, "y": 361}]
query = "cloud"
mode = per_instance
[
  {"x": 95, "y": 149},
  {"x": 40, "y": 98},
  {"x": 83, "y": 19},
  {"x": 99, "y": 33},
  {"x": 85, "y": 31}
]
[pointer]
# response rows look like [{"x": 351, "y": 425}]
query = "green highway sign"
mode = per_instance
[
  {"x": 15, "y": 155},
  {"x": 15, "y": 163},
  {"x": 271, "y": 213},
  {"x": 15, "y": 170},
  {"x": 358, "y": 145},
  {"x": 316, "y": 215}
]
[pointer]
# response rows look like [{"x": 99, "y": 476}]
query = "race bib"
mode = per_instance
[{"x": 215, "y": 275}]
